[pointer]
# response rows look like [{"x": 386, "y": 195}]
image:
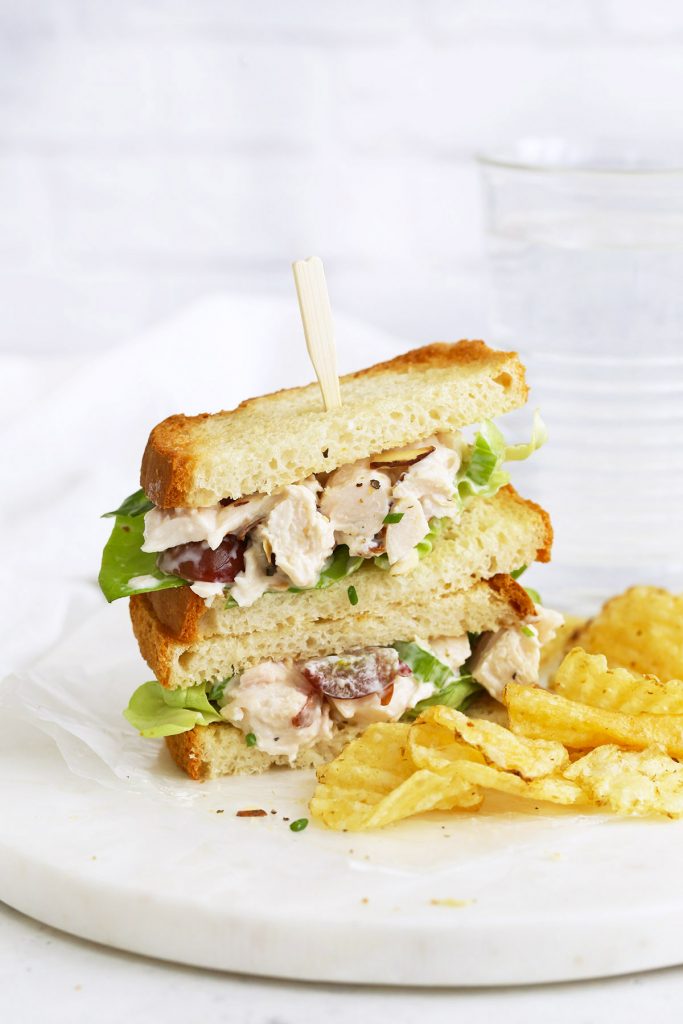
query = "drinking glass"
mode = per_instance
[{"x": 586, "y": 281}]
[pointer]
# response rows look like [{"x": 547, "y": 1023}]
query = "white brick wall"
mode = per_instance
[{"x": 155, "y": 150}]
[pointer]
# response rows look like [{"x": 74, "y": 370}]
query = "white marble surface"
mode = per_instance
[{"x": 46, "y": 975}]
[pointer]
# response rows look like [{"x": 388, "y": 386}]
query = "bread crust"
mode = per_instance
[
  {"x": 513, "y": 594},
  {"x": 440, "y": 354},
  {"x": 186, "y": 751},
  {"x": 173, "y": 474},
  {"x": 156, "y": 643},
  {"x": 544, "y": 553},
  {"x": 179, "y": 610},
  {"x": 168, "y": 466}
]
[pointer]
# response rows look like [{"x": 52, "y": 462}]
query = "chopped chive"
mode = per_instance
[
  {"x": 534, "y": 595},
  {"x": 393, "y": 517},
  {"x": 250, "y": 739},
  {"x": 528, "y": 631},
  {"x": 299, "y": 825},
  {"x": 518, "y": 572},
  {"x": 353, "y": 596}
]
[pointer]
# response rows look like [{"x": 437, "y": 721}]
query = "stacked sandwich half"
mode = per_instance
[{"x": 296, "y": 574}]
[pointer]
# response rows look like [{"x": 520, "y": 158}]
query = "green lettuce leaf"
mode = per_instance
[
  {"x": 451, "y": 690},
  {"x": 457, "y": 694},
  {"x": 217, "y": 690},
  {"x": 134, "y": 505},
  {"x": 155, "y": 711},
  {"x": 123, "y": 561},
  {"x": 427, "y": 543},
  {"x": 482, "y": 472},
  {"x": 424, "y": 665},
  {"x": 539, "y": 436}
]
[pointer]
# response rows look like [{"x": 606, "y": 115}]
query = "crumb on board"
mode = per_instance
[{"x": 449, "y": 902}]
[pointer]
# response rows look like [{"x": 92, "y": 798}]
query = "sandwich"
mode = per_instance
[{"x": 295, "y": 574}]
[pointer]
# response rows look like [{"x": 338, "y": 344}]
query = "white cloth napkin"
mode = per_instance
[{"x": 72, "y": 432}]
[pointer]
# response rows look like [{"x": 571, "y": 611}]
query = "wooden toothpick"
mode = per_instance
[{"x": 316, "y": 316}]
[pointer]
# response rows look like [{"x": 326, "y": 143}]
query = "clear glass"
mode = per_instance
[{"x": 586, "y": 271}]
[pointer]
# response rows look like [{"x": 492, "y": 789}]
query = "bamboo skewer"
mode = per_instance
[{"x": 316, "y": 316}]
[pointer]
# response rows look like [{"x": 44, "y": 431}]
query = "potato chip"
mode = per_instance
[
  {"x": 530, "y": 758},
  {"x": 639, "y": 630},
  {"x": 376, "y": 762},
  {"x": 631, "y": 782},
  {"x": 367, "y": 770},
  {"x": 552, "y": 788},
  {"x": 424, "y": 791},
  {"x": 536, "y": 713},
  {"x": 432, "y": 746},
  {"x": 373, "y": 782},
  {"x": 586, "y": 678}
]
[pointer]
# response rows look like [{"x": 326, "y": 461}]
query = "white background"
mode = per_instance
[{"x": 152, "y": 151}]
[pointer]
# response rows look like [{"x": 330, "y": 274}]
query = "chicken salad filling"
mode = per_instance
[
  {"x": 283, "y": 707},
  {"x": 387, "y": 508}
]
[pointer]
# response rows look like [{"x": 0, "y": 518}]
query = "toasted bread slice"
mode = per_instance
[
  {"x": 495, "y": 535},
  {"x": 484, "y": 605},
  {"x": 269, "y": 442}
]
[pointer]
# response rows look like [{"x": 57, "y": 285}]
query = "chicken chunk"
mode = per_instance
[
  {"x": 431, "y": 481},
  {"x": 403, "y": 536},
  {"x": 267, "y": 702},
  {"x": 356, "y": 501},
  {"x": 452, "y": 651},
  {"x": 546, "y": 622},
  {"x": 505, "y": 657},
  {"x": 253, "y": 581},
  {"x": 169, "y": 527},
  {"x": 513, "y": 654},
  {"x": 299, "y": 536}
]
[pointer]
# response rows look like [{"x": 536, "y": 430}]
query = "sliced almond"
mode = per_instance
[
  {"x": 401, "y": 456},
  {"x": 267, "y": 549}
]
